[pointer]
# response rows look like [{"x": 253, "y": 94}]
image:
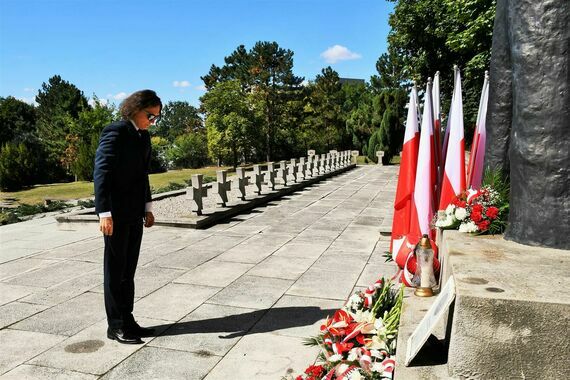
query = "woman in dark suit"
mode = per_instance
[{"x": 123, "y": 203}]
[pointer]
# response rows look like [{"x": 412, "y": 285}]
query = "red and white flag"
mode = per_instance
[
  {"x": 424, "y": 187},
  {"x": 407, "y": 174},
  {"x": 453, "y": 181},
  {"x": 437, "y": 123},
  {"x": 477, "y": 157}
]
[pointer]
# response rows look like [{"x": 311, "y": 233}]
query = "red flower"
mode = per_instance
[
  {"x": 492, "y": 212},
  {"x": 316, "y": 371},
  {"x": 483, "y": 225},
  {"x": 476, "y": 216},
  {"x": 299, "y": 377},
  {"x": 338, "y": 324}
]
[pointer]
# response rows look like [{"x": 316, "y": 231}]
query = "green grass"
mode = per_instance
[{"x": 84, "y": 189}]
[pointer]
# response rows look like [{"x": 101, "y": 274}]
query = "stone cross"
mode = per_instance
[
  {"x": 327, "y": 162},
  {"x": 257, "y": 176},
  {"x": 302, "y": 167},
  {"x": 270, "y": 175},
  {"x": 221, "y": 187},
  {"x": 282, "y": 172},
  {"x": 242, "y": 181},
  {"x": 292, "y": 169},
  {"x": 196, "y": 193},
  {"x": 380, "y": 154},
  {"x": 354, "y": 154},
  {"x": 310, "y": 165},
  {"x": 322, "y": 164},
  {"x": 311, "y": 153}
]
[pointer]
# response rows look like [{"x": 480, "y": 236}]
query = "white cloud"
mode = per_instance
[
  {"x": 182, "y": 83},
  {"x": 28, "y": 89},
  {"x": 31, "y": 101},
  {"x": 201, "y": 88},
  {"x": 103, "y": 102},
  {"x": 339, "y": 53},
  {"x": 119, "y": 96}
]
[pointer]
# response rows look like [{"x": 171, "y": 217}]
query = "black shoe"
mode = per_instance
[
  {"x": 136, "y": 330},
  {"x": 123, "y": 336}
]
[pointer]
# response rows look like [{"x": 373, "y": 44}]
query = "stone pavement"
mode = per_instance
[{"x": 232, "y": 301}]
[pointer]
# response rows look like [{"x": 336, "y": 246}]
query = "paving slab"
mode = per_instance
[
  {"x": 297, "y": 316},
  {"x": 288, "y": 268},
  {"x": 151, "y": 278},
  {"x": 264, "y": 356},
  {"x": 34, "y": 372},
  {"x": 173, "y": 301},
  {"x": 211, "y": 329},
  {"x": 90, "y": 351},
  {"x": 17, "y": 267},
  {"x": 341, "y": 261},
  {"x": 214, "y": 273},
  {"x": 67, "y": 318},
  {"x": 373, "y": 272},
  {"x": 324, "y": 284},
  {"x": 252, "y": 292},
  {"x": 9, "y": 293},
  {"x": 65, "y": 290},
  {"x": 302, "y": 249},
  {"x": 16, "y": 311},
  {"x": 163, "y": 363},
  {"x": 187, "y": 258},
  {"x": 46, "y": 277},
  {"x": 16, "y": 347}
]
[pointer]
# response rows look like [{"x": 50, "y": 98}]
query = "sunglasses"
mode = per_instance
[{"x": 151, "y": 117}]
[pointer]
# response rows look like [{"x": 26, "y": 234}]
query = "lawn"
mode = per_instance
[{"x": 84, "y": 189}]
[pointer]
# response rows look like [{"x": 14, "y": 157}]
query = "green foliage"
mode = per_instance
[
  {"x": 265, "y": 74},
  {"x": 88, "y": 203},
  {"x": 17, "y": 121},
  {"x": 17, "y": 166},
  {"x": 170, "y": 187},
  {"x": 500, "y": 182},
  {"x": 59, "y": 106},
  {"x": 178, "y": 118},
  {"x": 19, "y": 213},
  {"x": 159, "y": 159},
  {"x": 188, "y": 151}
]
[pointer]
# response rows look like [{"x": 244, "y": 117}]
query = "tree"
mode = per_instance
[
  {"x": 228, "y": 121},
  {"x": 178, "y": 118},
  {"x": 59, "y": 105},
  {"x": 189, "y": 150},
  {"x": 17, "y": 166},
  {"x": 433, "y": 35},
  {"x": 326, "y": 101},
  {"x": 265, "y": 74},
  {"x": 17, "y": 121}
]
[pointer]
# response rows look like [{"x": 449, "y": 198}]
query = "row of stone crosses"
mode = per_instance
[{"x": 314, "y": 166}]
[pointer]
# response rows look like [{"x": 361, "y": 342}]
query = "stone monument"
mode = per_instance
[{"x": 528, "y": 122}]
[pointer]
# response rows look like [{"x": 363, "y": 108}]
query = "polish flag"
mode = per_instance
[
  {"x": 407, "y": 174},
  {"x": 475, "y": 167},
  {"x": 437, "y": 124},
  {"x": 423, "y": 199},
  {"x": 453, "y": 182}
]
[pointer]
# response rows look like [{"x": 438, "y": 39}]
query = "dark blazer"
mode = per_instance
[{"x": 121, "y": 171}]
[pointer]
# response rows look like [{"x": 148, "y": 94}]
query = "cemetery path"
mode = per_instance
[{"x": 232, "y": 301}]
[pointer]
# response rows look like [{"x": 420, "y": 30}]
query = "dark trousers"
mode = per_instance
[{"x": 120, "y": 263}]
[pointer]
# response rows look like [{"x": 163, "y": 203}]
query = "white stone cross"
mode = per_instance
[
  {"x": 302, "y": 167},
  {"x": 241, "y": 181},
  {"x": 282, "y": 172},
  {"x": 221, "y": 187},
  {"x": 196, "y": 193},
  {"x": 292, "y": 169},
  {"x": 270, "y": 175},
  {"x": 380, "y": 154},
  {"x": 257, "y": 176},
  {"x": 322, "y": 164}
]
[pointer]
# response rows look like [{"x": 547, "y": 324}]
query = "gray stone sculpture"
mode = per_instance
[{"x": 528, "y": 121}]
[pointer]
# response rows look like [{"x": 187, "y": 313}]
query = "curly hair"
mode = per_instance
[{"x": 138, "y": 101}]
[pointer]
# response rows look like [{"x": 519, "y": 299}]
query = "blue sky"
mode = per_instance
[{"x": 114, "y": 47}]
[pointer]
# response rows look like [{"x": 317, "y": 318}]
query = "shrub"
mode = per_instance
[
  {"x": 17, "y": 167},
  {"x": 188, "y": 151}
]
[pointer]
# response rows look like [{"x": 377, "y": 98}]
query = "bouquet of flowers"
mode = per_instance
[
  {"x": 359, "y": 340},
  {"x": 475, "y": 211}
]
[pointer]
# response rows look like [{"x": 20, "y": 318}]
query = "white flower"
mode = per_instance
[
  {"x": 352, "y": 355},
  {"x": 468, "y": 227},
  {"x": 376, "y": 354},
  {"x": 335, "y": 358},
  {"x": 449, "y": 210},
  {"x": 460, "y": 213},
  {"x": 355, "y": 375},
  {"x": 377, "y": 367}
]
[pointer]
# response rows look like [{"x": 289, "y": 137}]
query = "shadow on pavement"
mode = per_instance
[{"x": 241, "y": 324}]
